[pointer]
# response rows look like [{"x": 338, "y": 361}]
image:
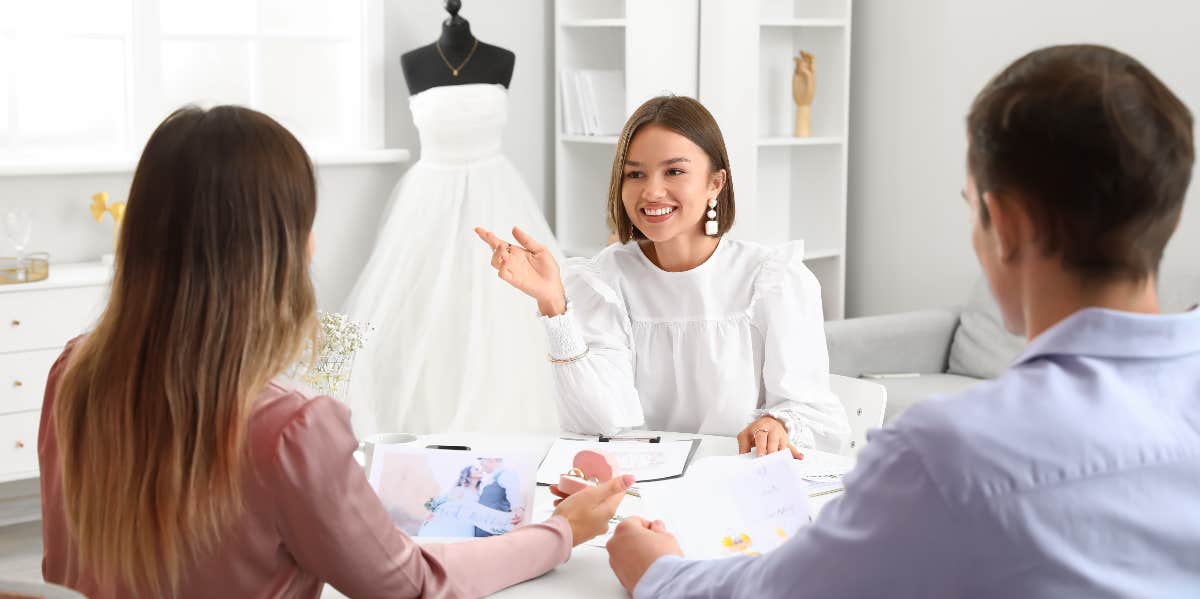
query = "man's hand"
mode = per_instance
[
  {"x": 635, "y": 546},
  {"x": 766, "y": 435}
]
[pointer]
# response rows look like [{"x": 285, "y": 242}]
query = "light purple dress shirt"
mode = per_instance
[{"x": 1075, "y": 474}]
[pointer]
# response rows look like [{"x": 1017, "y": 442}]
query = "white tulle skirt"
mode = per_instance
[{"x": 454, "y": 348}]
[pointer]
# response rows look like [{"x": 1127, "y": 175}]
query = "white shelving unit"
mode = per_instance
[
  {"x": 736, "y": 57},
  {"x": 787, "y": 187},
  {"x": 626, "y": 35}
]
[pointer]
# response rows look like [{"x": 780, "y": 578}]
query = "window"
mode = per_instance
[{"x": 96, "y": 76}]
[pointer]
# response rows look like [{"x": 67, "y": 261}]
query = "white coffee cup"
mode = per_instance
[{"x": 366, "y": 448}]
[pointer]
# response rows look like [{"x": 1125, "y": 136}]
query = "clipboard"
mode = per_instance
[{"x": 648, "y": 462}]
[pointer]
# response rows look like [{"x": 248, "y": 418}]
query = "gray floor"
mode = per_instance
[{"x": 21, "y": 552}]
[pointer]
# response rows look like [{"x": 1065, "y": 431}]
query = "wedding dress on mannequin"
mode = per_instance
[{"x": 454, "y": 348}]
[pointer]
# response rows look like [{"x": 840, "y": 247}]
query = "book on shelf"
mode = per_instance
[{"x": 593, "y": 101}]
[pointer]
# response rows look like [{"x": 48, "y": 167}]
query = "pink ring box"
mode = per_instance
[{"x": 590, "y": 468}]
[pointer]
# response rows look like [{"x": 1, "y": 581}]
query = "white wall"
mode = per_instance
[
  {"x": 524, "y": 26},
  {"x": 916, "y": 66}
]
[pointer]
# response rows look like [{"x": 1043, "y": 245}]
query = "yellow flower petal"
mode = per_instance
[{"x": 99, "y": 205}]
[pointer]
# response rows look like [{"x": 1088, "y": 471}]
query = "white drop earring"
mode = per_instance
[{"x": 710, "y": 227}]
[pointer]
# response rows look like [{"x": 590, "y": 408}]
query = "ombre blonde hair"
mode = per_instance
[
  {"x": 210, "y": 299},
  {"x": 689, "y": 118}
]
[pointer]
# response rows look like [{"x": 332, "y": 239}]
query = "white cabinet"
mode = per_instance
[
  {"x": 18, "y": 445},
  {"x": 23, "y": 379},
  {"x": 36, "y": 322}
]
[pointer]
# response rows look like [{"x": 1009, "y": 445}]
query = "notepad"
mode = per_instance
[
  {"x": 732, "y": 505},
  {"x": 645, "y": 461}
]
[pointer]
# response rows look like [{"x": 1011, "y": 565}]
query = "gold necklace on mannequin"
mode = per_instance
[{"x": 455, "y": 70}]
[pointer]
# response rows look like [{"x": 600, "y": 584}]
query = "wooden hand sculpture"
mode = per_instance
[{"x": 804, "y": 85}]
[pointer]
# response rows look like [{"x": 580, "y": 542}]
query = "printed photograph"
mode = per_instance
[{"x": 448, "y": 493}]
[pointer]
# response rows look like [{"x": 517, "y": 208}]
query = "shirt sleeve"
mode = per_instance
[
  {"x": 335, "y": 527},
  {"x": 595, "y": 390},
  {"x": 891, "y": 530},
  {"x": 787, "y": 309}
]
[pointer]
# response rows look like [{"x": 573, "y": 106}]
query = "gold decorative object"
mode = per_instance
[
  {"x": 804, "y": 86},
  {"x": 100, "y": 205},
  {"x": 27, "y": 269}
]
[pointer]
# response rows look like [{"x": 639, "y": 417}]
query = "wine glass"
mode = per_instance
[{"x": 18, "y": 226}]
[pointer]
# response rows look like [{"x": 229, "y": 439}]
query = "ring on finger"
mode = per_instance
[{"x": 760, "y": 430}]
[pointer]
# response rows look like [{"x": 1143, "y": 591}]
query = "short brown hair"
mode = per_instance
[
  {"x": 1099, "y": 147},
  {"x": 689, "y": 118}
]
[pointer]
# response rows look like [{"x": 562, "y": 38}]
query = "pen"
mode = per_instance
[{"x": 892, "y": 375}]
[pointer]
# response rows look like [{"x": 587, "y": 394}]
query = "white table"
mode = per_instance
[{"x": 587, "y": 573}]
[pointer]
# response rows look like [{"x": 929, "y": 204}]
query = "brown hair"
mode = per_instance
[
  {"x": 1099, "y": 148},
  {"x": 689, "y": 118},
  {"x": 210, "y": 299}
]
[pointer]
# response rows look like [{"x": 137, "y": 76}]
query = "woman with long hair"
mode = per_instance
[
  {"x": 678, "y": 328},
  {"x": 176, "y": 461}
]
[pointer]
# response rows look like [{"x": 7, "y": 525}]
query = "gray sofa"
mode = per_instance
[{"x": 949, "y": 348}]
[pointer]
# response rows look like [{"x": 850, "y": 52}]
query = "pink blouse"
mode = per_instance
[{"x": 310, "y": 517}]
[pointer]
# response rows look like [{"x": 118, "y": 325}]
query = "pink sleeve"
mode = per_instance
[{"x": 335, "y": 527}]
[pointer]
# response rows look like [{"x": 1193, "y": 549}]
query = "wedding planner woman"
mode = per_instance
[
  {"x": 175, "y": 462},
  {"x": 678, "y": 328}
]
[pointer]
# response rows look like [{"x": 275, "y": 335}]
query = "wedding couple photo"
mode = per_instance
[{"x": 453, "y": 494}]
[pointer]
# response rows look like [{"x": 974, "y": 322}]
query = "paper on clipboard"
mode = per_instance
[{"x": 645, "y": 461}]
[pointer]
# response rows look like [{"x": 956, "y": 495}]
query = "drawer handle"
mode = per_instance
[
  {"x": 16, "y": 323},
  {"x": 20, "y": 444},
  {"x": 18, "y": 384}
]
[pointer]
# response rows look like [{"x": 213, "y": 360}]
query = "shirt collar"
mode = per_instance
[{"x": 1114, "y": 334}]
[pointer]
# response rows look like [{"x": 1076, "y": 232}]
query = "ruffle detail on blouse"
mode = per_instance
[
  {"x": 774, "y": 272},
  {"x": 589, "y": 273}
]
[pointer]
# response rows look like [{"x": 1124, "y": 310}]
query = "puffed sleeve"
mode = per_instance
[
  {"x": 335, "y": 527},
  {"x": 786, "y": 308},
  {"x": 593, "y": 344}
]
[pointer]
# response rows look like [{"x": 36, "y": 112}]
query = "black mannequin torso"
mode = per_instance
[{"x": 424, "y": 67}]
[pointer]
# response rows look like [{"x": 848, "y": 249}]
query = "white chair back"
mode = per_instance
[{"x": 864, "y": 402}]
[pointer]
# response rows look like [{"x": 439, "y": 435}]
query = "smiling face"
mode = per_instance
[{"x": 667, "y": 183}]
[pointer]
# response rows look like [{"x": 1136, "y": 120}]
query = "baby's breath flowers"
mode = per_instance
[{"x": 339, "y": 338}]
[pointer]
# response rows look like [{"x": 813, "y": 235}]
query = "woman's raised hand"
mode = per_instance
[{"x": 529, "y": 267}]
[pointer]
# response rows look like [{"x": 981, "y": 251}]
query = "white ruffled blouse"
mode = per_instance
[{"x": 702, "y": 351}]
